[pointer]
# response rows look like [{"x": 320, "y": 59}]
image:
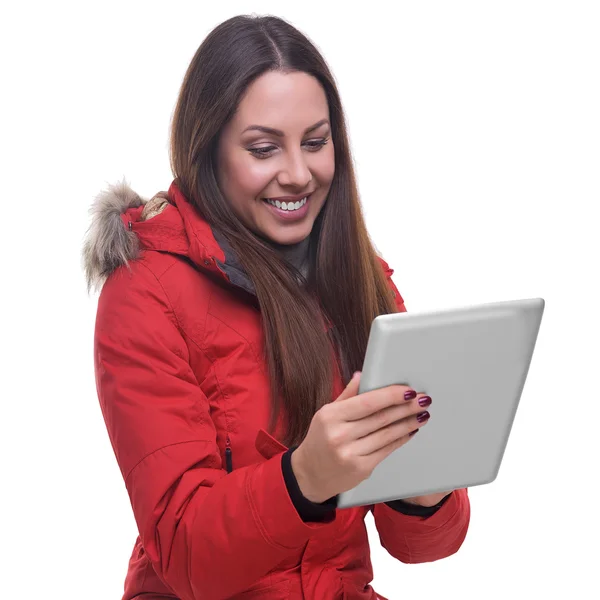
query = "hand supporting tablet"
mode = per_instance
[{"x": 349, "y": 437}]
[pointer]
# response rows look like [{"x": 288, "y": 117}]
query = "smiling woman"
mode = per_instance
[{"x": 234, "y": 309}]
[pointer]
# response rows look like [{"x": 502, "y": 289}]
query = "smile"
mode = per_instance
[{"x": 291, "y": 206}]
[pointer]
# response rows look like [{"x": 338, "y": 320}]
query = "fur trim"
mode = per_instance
[
  {"x": 154, "y": 206},
  {"x": 108, "y": 245}
]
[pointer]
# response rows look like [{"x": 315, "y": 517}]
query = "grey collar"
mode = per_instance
[{"x": 296, "y": 254}]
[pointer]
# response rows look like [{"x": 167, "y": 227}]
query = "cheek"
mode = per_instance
[
  {"x": 325, "y": 169},
  {"x": 251, "y": 178}
]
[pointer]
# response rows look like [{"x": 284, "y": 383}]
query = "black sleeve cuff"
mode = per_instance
[
  {"x": 312, "y": 511},
  {"x": 414, "y": 509},
  {"x": 308, "y": 511}
]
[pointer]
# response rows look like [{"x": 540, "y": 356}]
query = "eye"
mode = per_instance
[{"x": 265, "y": 151}]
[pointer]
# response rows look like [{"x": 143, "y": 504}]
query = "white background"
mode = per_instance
[{"x": 476, "y": 132}]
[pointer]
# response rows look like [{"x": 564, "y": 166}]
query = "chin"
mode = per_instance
[{"x": 287, "y": 238}]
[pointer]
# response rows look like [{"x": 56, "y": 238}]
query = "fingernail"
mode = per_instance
[
  {"x": 410, "y": 395},
  {"x": 413, "y": 432},
  {"x": 355, "y": 374},
  {"x": 425, "y": 401},
  {"x": 423, "y": 416}
]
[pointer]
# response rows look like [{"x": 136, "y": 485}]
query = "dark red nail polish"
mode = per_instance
[
  {"x": 410, "y": 395},
  {"x": 425, "y": 401},
  {"x": 413, "y": 432},
  {"x": 423, "y": 416}
]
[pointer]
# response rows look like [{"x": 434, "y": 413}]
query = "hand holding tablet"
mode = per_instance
[{"x": 349, "y": 437}]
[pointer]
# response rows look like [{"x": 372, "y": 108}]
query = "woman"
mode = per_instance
[{"x": 227, "y": 327}]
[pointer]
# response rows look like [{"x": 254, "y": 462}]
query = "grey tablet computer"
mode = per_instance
[{"x": 473, "y": 362}]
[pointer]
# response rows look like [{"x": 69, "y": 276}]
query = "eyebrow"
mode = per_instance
[{"x": 280, "y": 133}]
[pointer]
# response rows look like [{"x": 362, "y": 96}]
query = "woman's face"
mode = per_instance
[{"x": 254, "y": 164}]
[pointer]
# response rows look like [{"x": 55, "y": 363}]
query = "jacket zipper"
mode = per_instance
[{"x": 228, "y": 455}]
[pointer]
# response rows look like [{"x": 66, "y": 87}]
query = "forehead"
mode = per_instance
[{"x": 290, "y": 102}]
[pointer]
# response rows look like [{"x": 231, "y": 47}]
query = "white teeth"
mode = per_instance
[{"x": 288, "y": 205}]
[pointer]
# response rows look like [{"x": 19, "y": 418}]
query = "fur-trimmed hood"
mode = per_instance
[{"x": 109, "y": 242}]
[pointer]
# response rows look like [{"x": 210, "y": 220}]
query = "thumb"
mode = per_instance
[{"x": 352, "y": 387}]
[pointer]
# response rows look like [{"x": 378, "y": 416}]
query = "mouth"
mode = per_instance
[{"x": 288, "y": 205}]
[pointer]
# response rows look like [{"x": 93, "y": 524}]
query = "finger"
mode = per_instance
[
  {"x": 382, "y": 438},
  {"x": 352, "y": 387},
  {"x": 371, "y": 402},
  {"x": 383, "y": 418}
]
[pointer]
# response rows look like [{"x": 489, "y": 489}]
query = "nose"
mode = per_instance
[{"x": 296, "y": 173}]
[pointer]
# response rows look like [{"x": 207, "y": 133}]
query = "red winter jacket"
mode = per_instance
[{"x": 185, "y": 394}]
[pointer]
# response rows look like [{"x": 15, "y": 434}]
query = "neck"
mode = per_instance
[{"x": 296, "y": 254}]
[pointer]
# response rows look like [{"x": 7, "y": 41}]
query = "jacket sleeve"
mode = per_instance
[
  {"x": 209, "y": 534},
  {"x": 308, "y": 511},
  {"x": 417, "y": 539}
]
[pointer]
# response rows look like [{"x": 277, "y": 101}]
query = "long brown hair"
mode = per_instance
[{"x": 346, "y": 283}]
